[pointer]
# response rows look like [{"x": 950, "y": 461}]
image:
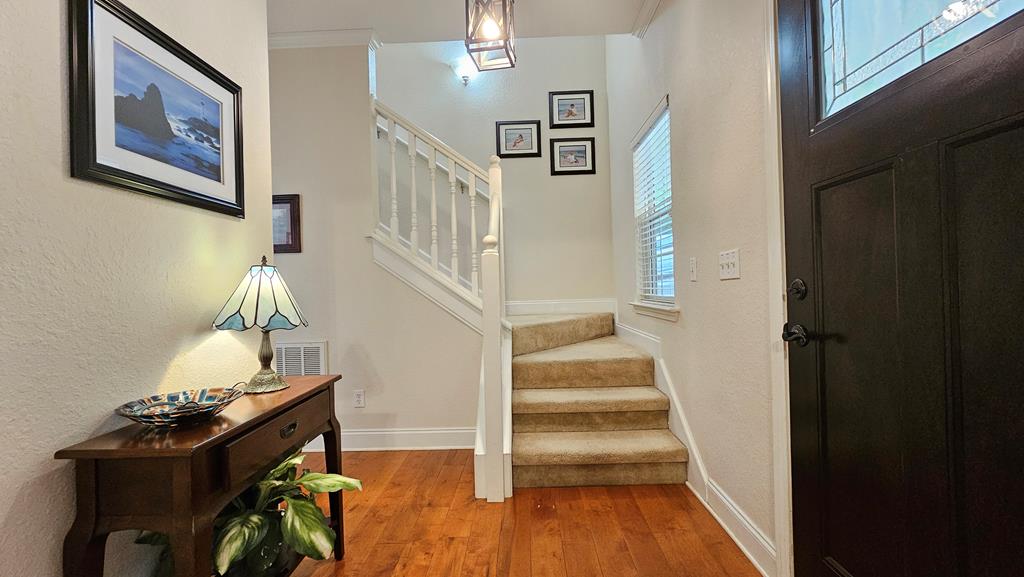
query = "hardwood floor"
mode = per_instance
[{"x": 417, "y": 517}]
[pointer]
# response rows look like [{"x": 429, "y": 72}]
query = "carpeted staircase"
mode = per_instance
[{"x": 585, "y": 410}]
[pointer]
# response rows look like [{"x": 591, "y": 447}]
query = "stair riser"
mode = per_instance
[
  {"x": 589, "y": 475},
  {"x": 610, "y": 373},
  {"x": 530, "y": 339},
  {"x": 565, "y": 422}
]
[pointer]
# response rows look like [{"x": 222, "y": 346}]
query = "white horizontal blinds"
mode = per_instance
[{"x": 652, "y": 191}]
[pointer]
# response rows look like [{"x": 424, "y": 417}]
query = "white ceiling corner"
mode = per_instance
[{"x": 644, "y": 17}]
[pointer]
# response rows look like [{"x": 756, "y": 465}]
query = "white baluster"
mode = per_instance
[
  {"x": 475, "y": 262},
  {"x": 455, "y": 221},
  {"x": 433, "y": 207},
  {"x": 394, "y": 180},
  {"x": 414, "y": 246}
]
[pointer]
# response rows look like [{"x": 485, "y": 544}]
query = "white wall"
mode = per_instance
[
  {"x": 710, "y": 57},
  {"x": 108, "y": 294},
  {"x": 558, "y": 241},
  {"x": 419, "y": 366}
]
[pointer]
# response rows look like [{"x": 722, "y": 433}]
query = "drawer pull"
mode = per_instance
[{"x": 289, "y": 430}]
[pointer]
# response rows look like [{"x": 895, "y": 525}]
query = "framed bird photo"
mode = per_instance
[
  {"x": 518, "y": 138},
  {"x": 571, "y": 109}
]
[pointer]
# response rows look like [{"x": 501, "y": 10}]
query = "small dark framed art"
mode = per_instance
[
  {"x": 517, "y": 139},
  {"x": 148, "y": 115},
  {"x": 287, "y": 223},
  {"x": 572, "y": 156},
  {"x": 571, "y": 109}
]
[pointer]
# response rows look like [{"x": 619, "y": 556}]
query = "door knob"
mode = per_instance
[
  {"x": 795, "y": 333},
  {"x": 797, "y": 289}
]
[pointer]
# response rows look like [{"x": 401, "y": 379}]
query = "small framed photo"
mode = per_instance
[
  {"x": 150, "y": 116},
  {"x": 572, "y": 156},
  {"x": 286, "y": 223},
  {"x": 518, "y": 138},
  {"x": 571, "y": 109}
]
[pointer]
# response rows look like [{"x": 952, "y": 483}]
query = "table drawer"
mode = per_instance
[{"x": 255, "y": 450}]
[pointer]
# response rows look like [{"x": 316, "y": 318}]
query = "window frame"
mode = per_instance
[{"x": 652, "y": 305}]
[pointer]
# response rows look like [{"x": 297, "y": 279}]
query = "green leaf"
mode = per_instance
[
  {"x": 328, "y": 483},
  {"x": 240, "y": 535},
  {"x": 305, "y": 529},
  {"x": 281, "y": 471}
]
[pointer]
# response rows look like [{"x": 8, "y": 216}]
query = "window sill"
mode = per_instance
[{"x": 659, "y": 311}]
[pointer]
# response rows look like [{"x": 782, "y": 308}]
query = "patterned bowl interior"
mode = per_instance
[{"x": 173, "y": 409}]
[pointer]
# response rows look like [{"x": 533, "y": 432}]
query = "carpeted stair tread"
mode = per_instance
[
  {"x": 597, "y": 448},
  {"x": 603, "y": 362},
  {"x": 588, "y": 400},
  {"x": 532, "y": 333}
]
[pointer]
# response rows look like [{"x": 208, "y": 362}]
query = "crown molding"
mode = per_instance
[
  {"x": 325, "y": 38},
  {"x": 644, "y": 17}
]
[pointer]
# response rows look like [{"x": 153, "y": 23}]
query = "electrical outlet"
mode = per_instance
[
  {"x": 359, "y": 398},
  {"x": 729, "y": 264},
  {"x": 693, "y": 269}
]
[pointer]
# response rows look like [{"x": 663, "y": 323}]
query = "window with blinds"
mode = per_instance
[{"x": 652, "y": 193}]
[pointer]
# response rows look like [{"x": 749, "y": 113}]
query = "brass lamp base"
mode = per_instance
[{"x": 266, "y": 380}]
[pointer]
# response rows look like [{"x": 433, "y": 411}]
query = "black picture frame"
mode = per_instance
[
  {"x": 555, "y": 124},
  {"x": 500, "y": 150},
  {"x": 294, "y": 223},
  {"x": 84, "y": 163},
  {"x": 558, "y": 171}
]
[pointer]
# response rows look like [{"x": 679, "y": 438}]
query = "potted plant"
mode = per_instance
[{"x": 267, "y": 530}]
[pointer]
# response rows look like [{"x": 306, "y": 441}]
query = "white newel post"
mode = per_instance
[{"x": 492, "y": 314}]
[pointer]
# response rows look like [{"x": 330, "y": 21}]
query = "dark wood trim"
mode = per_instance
[
  {"x": 593, "y": 153},
  {"x": 292, "y": 200},
  {"x": 498, "y": 139},
  {"x": 552, "y": 116},
  {"x": 83, "y": 122}
]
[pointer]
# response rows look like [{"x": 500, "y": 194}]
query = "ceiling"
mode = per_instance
[{"x": 432, "y": 20}]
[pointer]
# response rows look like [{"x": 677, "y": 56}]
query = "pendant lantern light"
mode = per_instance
[{"x": 490, "y": 34}]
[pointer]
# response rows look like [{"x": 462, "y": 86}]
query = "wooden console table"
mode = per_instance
[{"x": 176, "y": 482}]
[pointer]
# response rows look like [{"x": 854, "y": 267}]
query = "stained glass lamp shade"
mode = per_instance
[{"x": 261, "y": 300}]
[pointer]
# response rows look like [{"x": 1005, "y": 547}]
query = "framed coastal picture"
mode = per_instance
[
  {"x": 572, "y": 156},
  {"x": 516, "y": 139},
  {"x": 286, "y": 223},
  {"x": 149, "y": 115},
  {"x": 571, "y": 109}
]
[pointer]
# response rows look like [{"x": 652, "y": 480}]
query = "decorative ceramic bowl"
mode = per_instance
[{"x": 181, "y": 408}]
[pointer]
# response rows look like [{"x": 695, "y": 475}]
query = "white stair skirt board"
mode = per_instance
[
  {"x": 429, "y": 439},
  {"x": 561, "y": 307},
  {"x": 425, "y": 282}
]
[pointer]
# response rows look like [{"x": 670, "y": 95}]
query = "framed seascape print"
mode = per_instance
[
  {"x": 571, "y": 109},
  {"x": 286, "y": 223},
  {"x": 148, "y": 115},
  {"x": 572, "y": 156},
  {"x": 518, "y": 139}
]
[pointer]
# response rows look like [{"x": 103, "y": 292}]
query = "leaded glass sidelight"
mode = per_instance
[{"x": 866, "y": 44}]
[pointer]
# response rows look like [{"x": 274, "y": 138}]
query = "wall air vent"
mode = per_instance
[{"x": 308, "y": 358}]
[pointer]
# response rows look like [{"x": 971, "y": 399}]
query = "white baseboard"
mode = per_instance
[
  {"x": 750, "y": 539},
  {"x": 402, "y": 439},
  {"x": 561, "y": 307}
]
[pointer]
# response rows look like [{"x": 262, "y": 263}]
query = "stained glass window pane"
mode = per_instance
[{"x": 866, "y": 44}]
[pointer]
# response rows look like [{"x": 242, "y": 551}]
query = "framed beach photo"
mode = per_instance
[
  {"x": 572, "y": 156},
  {"x": 286, "y": 223},
  {"x": 150, "y": 116},
  {"x": 519, "y": 138},
  {"x": 571, "y": 109}
]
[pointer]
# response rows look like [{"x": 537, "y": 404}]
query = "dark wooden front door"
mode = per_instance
[{"x": 905, "y": 219}]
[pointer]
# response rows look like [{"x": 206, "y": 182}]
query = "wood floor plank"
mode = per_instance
[
  {"x": 449, "y": 556},
  {"x": 546, "y": 553},
  {"x": 713, "y": 537},
  {"x": 521, "y": 546},
  {"x": 580, "y": 553},
  {"x": 612, "y": 550},
  {"x": 643, "y": 546},
  {"x": 399, "y": 528},
  {"x": 482, "y": 557},
  {"x": 459, "y": 521},
  {"x": 676, "y": 535}
]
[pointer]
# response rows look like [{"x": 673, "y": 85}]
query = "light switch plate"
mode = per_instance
[
  {"x": 729, "y": 264},
  {"x": 359, "y": 398},
  {"x": 693, "y": 269}
]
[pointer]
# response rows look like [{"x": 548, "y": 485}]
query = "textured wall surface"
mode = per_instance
[
  {"x": 419, "y": 366},
  {"x": 108, "y": 295},
  {"x": 709, "y": 56},
  {"x": 558, "y": 229}
]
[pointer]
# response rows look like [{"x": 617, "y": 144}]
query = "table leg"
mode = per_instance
[
  {"x": 193, "y": 552},
  {"x": 83, "y": 546},
  {"x": 332, "y": 456}
]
